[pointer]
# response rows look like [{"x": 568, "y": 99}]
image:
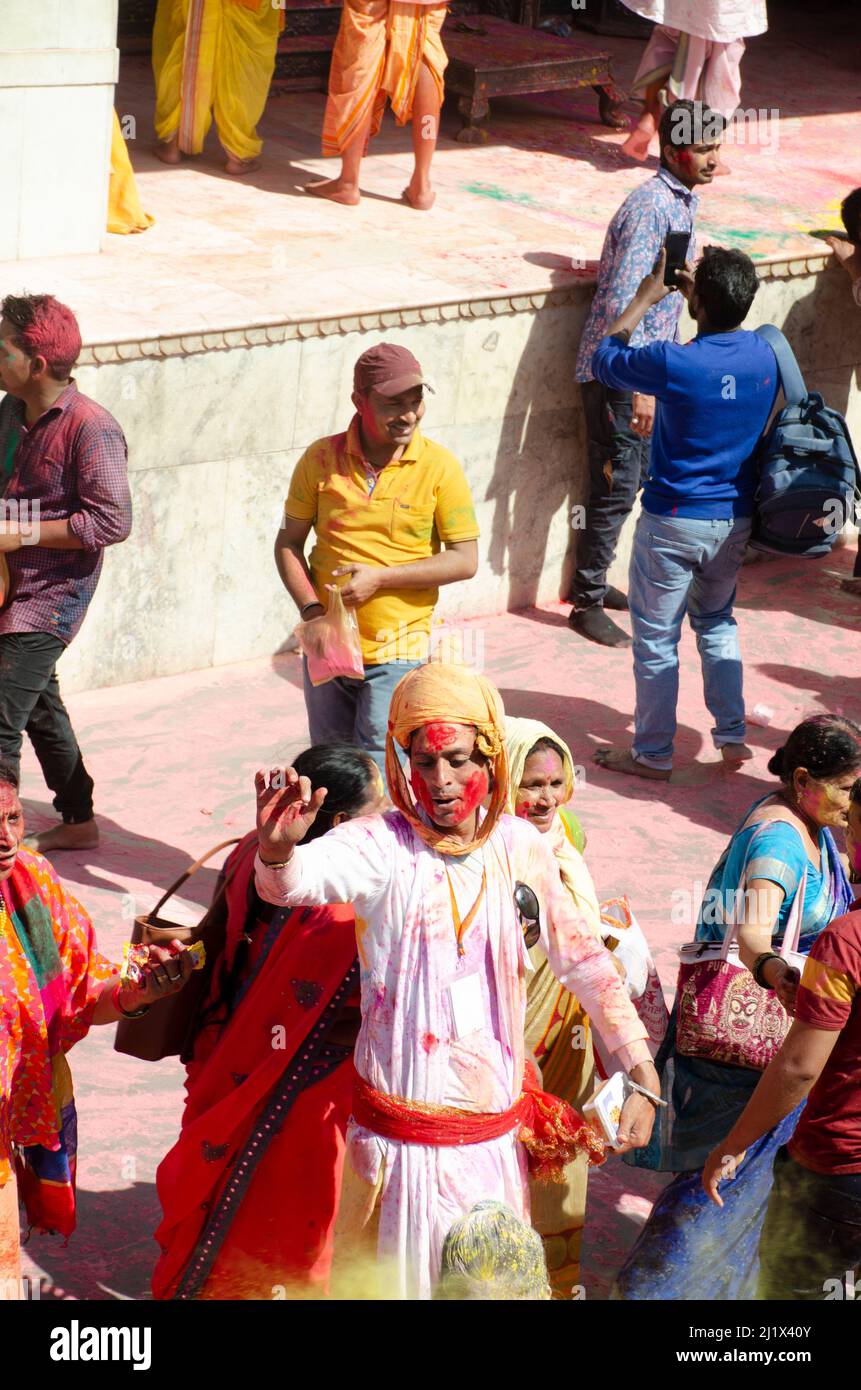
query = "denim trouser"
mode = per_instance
[
  {"x": 680, "y": 566},
  {"x": 347, "y": 710}
]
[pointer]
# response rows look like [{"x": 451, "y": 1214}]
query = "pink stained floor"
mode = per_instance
[
  {"x": 173, "y": 761},
  {"x": 227, "y": 253}
]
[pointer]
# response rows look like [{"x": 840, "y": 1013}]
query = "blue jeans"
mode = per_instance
[
  {"x": 347, "y": 710},
  {"x": 680, "y": 566}
]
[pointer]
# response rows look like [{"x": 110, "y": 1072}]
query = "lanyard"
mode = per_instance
[{"x": 461, "y": 927}]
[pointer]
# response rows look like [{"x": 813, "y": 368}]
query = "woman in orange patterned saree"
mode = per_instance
[{"x": 54, "y": 984}]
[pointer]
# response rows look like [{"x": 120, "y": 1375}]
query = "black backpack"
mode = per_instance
[{"x": 809, "y": 480}]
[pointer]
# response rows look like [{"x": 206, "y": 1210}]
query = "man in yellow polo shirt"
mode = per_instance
[{"x": 383, "y": 501}]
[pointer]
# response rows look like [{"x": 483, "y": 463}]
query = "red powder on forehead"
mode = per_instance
[
  {"x": 439, "y": 736},
  {"x": 8, "y": 798}
]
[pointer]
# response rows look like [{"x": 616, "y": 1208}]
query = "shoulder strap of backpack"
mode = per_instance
[{"x": 791, "y": 380}]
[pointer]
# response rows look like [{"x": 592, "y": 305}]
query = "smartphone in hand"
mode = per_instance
[
  {"x": 676, "y": 246},
  {"x": 823, "y": 233}
]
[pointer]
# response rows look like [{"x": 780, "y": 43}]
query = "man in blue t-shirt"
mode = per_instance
[{"x": 714, "y": 398}]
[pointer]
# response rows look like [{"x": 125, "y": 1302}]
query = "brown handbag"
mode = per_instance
[{"x": 162, "y": 1031}]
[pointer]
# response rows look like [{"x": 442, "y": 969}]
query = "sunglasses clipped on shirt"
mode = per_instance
[{"x": 528, "y": 912}]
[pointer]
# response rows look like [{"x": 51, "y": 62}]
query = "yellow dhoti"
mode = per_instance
[
  {"x": 213, "y": 57},
  {"x": 378, "y": 53},
  {"x": 125, "y": 213},
  {"x": 557, "y": 1034}
]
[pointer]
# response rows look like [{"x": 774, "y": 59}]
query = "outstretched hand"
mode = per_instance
[
  {"x": 165, "y": 972},
  {"x": 286, "y": 810}
]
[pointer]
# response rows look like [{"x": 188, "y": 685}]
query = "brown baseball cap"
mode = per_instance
[{"x": 389, "y": 369}]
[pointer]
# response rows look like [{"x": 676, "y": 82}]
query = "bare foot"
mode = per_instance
[
  {"x": 168, "y": 151},
  {"x": 84, "y": 835},
  {"x": 335, "y": 190},
  {"x": 851, "y": 586},
  {"x": 620, "y": 760},
  {"x": 238, "y": 167},
  {"x": 736, "y": 753},
  {"x": 637, "y": 144},
  {"x": 422, "y": 199}
]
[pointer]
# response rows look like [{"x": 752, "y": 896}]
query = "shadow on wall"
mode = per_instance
[
  {"x": 825, "y": 327},
  {"x": 541, "y": 467}
]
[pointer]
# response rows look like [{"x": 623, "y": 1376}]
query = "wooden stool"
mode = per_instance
[{"x": 491, "y": 57}]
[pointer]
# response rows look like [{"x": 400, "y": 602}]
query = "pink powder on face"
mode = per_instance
[{"x": 522, "y": 809}]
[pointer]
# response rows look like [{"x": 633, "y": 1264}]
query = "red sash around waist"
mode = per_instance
[{"x": 552, "y": 1131}]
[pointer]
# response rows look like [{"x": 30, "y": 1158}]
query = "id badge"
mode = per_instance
[{"x": 467, "y": 1004}]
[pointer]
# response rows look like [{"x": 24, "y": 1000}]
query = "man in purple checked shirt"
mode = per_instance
[{"x": 65, "y": 496}]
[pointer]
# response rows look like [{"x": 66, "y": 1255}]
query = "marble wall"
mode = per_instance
[
  {"x": 58, "y": 66},
  {"x": 214, "y": 435}
]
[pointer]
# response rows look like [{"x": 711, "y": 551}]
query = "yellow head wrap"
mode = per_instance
[
  {"x": 521, "y": 736},
  {"x": 443, "y": 691}
]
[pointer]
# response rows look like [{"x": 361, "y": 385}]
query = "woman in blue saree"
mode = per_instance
[{"x": 689, "y": 1249}]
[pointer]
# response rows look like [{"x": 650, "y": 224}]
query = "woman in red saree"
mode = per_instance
[{"x": 250, "y": 1190}]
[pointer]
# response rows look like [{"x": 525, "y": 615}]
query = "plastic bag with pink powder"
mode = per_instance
[{"x": 331, "y": 643}]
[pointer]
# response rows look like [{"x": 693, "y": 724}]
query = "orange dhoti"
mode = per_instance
[{"x": 378, "y": 53}]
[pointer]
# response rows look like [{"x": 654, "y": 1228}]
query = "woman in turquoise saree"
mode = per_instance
[{"x": 689, "y": 1249}]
